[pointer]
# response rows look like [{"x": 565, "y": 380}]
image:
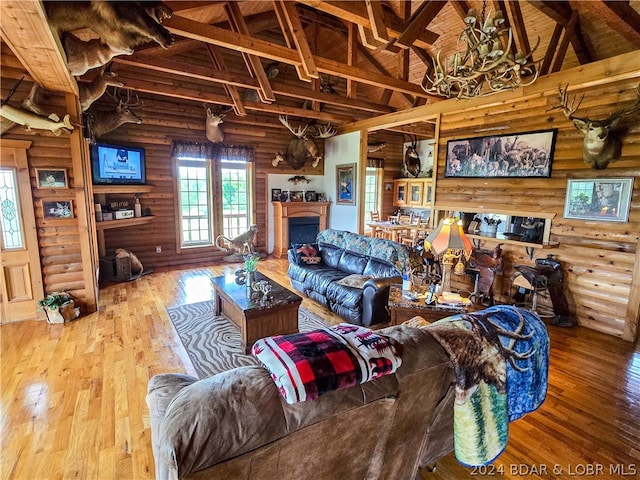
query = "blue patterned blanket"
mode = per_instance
[{"x": 501, "y": 360}]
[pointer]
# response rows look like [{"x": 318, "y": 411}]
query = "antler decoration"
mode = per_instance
[{"x": 303, "y": 147}]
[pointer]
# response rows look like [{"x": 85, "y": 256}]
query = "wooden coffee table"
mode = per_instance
[
  {"x": 256, "y": 318},
  {"x": 403, "y": 309}
]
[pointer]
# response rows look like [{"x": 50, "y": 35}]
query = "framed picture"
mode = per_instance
[
  {"x": 57, "y": 209},
  {"x": 526, "y": 154},
  {"x": 346, "y": 184},
  {"x": 51, "y": 178},
  {"x": 297, "y": 196},
  {"x": 604, "y": 199},
  {"x": 276, "y": 194},
  {"x": 309, "y": 196}
]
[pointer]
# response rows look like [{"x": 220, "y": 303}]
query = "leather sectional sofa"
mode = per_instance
[
  {"x": 237, "y": 425},
  {"x": 373, "y": 263}
]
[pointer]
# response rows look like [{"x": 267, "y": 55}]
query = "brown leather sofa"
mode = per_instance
[{"x": 236, "y": 425}]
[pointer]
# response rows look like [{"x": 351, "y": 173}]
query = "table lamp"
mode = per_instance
[{"x": 447, "y": 243}]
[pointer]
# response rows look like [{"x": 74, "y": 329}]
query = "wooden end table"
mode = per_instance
[
  {"x": 256, "y": 318},
  {"x": 403, "y": 309}
]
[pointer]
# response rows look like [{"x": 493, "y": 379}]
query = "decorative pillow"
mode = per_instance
[
  {"x": 354, "y": 280},
  {"x": 307, "y": 254}
]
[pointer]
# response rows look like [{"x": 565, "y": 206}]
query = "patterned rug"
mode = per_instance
[{"x": 213, "y": 343}]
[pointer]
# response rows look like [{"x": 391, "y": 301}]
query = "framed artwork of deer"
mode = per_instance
[
  {"x": 604, "y": 199},
  {"x": 346, "y": 184},
  {"x": 527, "y": 154}
]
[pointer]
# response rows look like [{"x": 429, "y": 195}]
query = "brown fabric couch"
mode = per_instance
[{"x": 235, "y": 425}]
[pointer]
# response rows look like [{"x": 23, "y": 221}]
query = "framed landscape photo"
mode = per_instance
[
  {"x": 528, "y": 154},
  {"x": 346, "y": 184},
  {"x": 603, "y": 199},
  {"x": 276, "y": 194},
  {"x": 51, "y": 178},
  {"x": 57, "y": 209}
]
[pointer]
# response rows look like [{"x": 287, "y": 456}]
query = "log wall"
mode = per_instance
[
  {"x": 64, "y": 245},
  {"x": 599, "y": 258}
]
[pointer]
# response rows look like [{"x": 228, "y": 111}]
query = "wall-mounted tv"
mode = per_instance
[{"x": 117, "y": 165}]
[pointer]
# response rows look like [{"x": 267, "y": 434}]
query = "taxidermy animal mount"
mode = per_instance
[
  {"x": 101, "y": 123},
  {"x": 303, "y": 147},
  {"x": 600, "y": 146},
  {"x": 31, "y": 115},
  {"x": 83, "y": 56},
  {"x": 298, "y": 179},
  {"x": 240, "y": 244},
  {"x": 90, "y": 92},
  {"x": 214, "y": 119},
  {"x": 121, "y": 25},
  {"x": 412, "y": 159}
]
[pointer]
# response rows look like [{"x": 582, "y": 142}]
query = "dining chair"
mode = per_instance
[{"x": 376, "y": 231}]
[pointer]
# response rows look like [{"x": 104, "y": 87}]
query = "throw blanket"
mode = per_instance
[
  {"x": 307, "y": 365},
  {"x": 501, "y": 360}
]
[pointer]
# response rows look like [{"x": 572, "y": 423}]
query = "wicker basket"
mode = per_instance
[{"x": 123, "y": 268}]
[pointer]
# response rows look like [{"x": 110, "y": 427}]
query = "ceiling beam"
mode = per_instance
[
  {"x": 376, "y": 19},
  {"x": 621, "y": 17},
  {"x": 24, "y": 25},
  {"x": 244, "y": 43},
  {"x": 294, "y": 27},
  {"x": 198, "y": 95},
  {"x": 174, "y": 67},
  {"x": 356, "y": 12},
  {"x": 253, "y": 61},
  {"x": 289, "y": 39},
  {"x": 419, "y": 20},
  {"x": 232, "y": 91}
]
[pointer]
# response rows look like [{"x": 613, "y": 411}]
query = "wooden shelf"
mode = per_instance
[
  {"x": 123, "y": 188},
  {"x": 501, "y": 239},
  {"x": 125, "y": 222}
]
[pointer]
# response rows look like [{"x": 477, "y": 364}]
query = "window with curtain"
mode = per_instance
[{"x": 213, "y": 182}]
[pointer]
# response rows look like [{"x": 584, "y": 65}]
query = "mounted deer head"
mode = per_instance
[
  {"x": 212, "y": 127},
  {"x": 600, "y": 147},
  {"x": 412, "y": 159},
  {"x": 90, "y": 92},
  {"x": 105, "y": 122},
  {"x": 303, "y": 147}
]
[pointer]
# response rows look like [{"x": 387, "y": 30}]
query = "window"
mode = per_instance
[
  {"x": 235, "y": 198},
  {"x": 195, "y": 205},
  {"x": 214, "y": 192},
  {"x": 371, "y": 190},
  {"x": 9, "y": 213}
]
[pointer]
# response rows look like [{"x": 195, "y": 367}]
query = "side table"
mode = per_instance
[{"x": 403, "y": 309}]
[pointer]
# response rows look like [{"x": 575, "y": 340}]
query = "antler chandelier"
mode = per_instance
[{"x": 487, "y": 66}]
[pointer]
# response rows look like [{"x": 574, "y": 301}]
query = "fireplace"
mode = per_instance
[
  {"x": 302, "y": 214},
  {"x": 303, "y": 229}
]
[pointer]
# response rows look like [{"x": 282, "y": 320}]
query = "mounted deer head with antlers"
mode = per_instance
[
  {"x": 411, "y": 158},
  {"x": 303, "y": 147},
  {"x": 600, "y": 146},
  {"x": 101, "y": 123},
  {"x": 212, "y": 127}
]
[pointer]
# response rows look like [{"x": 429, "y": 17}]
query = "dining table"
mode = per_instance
[{"x": 390, "y": 229}]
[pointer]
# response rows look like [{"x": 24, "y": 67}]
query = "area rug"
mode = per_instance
[{"x": 213, "y": 343}]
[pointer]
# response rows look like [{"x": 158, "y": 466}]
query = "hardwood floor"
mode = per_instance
[{"x": 73, "y": 395}]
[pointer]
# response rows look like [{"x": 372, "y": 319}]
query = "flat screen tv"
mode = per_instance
[{"x": 117, "y": 165}]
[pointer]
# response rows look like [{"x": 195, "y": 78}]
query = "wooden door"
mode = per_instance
[{"x": 20, "y": 274}]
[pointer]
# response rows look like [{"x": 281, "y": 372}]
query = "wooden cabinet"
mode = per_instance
[
  {"x": 400, "y": 198},
  {"x": 415, "y": 192}
]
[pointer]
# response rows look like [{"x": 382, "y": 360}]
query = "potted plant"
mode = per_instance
[
  {"x": 251, "y": 266},
  {"x": 58, "y": 306}
]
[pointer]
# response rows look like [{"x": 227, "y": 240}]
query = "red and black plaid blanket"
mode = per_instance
[{"x": 307, "y": 365}]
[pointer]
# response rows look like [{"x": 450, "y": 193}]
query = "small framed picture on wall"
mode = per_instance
[
  {"x": 51, "y": 178},
  {"x": 57, "y": 209}
]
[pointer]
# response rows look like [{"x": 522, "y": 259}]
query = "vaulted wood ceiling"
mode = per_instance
[{"x": 335, "y": 61}]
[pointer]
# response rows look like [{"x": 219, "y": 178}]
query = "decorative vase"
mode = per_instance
[{"x": 251, "y": 278}]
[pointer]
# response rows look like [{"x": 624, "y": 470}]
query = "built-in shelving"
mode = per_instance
[
  {"x": 125, "y": 222},
  {"x": 103, "y": 189}
]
